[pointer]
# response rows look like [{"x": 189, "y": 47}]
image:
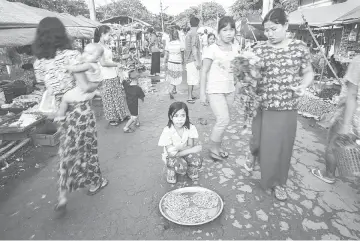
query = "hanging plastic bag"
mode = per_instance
[{"x": 48, "y": 104}]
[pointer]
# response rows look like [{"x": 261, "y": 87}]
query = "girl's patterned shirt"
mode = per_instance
[{"x": 281, "y": 69}]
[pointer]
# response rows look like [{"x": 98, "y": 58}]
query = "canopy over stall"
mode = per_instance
[
  {"x": 351, "y": 17},
  {"x": 320, "y": 16},
  {"x": 124, "y": 20},
  {"x": 18, "y": 23}
]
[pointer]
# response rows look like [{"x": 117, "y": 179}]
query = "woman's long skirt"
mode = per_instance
[
  {"x": 174, "y": 73},
  {"x": 272, "y": 142},
  {"x": 155, "y": 63},
  {"x": 114, "y": 100},
  {"x": 78, "y": 151}
]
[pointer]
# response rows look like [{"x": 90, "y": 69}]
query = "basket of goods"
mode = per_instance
[
  {"x": 246, "y": 68},
  {"x": 191, "y": 206},
  {"x": 312, "y": 106},
  {"x": 347, "y": 154}
]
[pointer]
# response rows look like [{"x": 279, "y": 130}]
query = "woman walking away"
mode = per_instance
[
  {"x": 79, "y": 162},
  {"x": 217, "y": 81},
  {"x": 283, "y": 60},
  {"x": 174, "y": 59},
  {"x": 112, "y": 91},
  {"x": 154, "y": 46}
]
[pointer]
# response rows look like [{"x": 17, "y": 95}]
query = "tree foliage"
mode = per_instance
[
  {"x": 131, "y": 8},
  {"x": 209, "y": 13},
  {"x": 244, "y": 8},
  {"x": 73, "y": 7}
]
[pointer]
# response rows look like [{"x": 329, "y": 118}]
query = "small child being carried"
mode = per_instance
[
  {"x": 181, "y": 155},
  {"x": 133, "y": 94},
  {"x": 89, "y": 65}
]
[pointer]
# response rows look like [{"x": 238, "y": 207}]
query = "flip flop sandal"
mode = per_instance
[
  {"x": 317, "y": 173},
  {"x": 60, "y": 207},
  {"x": 114, "y": 123},
  {"x": 280, "y": 193},
  {"x": 137, "y": 124},
  {"x": 248, "y": 167},
  {"x": 202, "y": 121},
  {"x": 104, "y": 183},
  {"x": 129, "y": 130},
  {"x": 171, "y": 96},
  {"x": 191, "y": 101},
  {"x": 224, "y": 154},
  {"x": 215, "y": 157}
]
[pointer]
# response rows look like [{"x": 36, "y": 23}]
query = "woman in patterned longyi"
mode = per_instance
[
  {"x": 79, "y": 162},
  {"x": 283, "y": 60},
  {"x": 112, "y": 90}
]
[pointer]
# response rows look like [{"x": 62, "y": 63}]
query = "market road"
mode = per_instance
[{"x": 128, "y": 207}]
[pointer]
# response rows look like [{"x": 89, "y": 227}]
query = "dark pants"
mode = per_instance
[{"x": 155, "y": 63}]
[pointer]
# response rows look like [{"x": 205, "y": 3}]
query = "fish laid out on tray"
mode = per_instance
[{"x": 191, "y": 208}]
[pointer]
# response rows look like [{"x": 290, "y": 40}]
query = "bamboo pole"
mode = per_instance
[
  {"x": 247, "y": 22},
  {"x": 10, "y": 144},
  {"x": 13, "y": 150},
  {"x": 318, "y": 45}
]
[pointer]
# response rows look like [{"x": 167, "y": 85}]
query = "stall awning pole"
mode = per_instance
[
  {"x": 318, "y": 45},
  {"x": 247, "y": 22}
]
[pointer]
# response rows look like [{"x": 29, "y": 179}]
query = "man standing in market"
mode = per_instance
[{"x": 192, "y": 58}]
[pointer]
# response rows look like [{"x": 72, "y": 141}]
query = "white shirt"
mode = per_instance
[
  {"x": 108, "y": 72},
  {"x": 182, "y": 37},
  {"x": 170, "y": 137},
  {"x": 174, "y": 48},
  {"x": 220, "y": 76}
]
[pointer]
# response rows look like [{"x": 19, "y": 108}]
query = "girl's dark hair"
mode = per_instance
[
  {"x": 174, "y": 35},
  {"x": 99, "y": 31},
  {"x": 225, "y": 21},
  {"x": 50, "y": 36},
  {"x": 277, "y": 16},
  {"x": 175, "y": 107},
  {"x": 211, "y": 35}
]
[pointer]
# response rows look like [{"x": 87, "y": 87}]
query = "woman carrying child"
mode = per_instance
[
  {"x": 180, "y": 155},
  {"x": 113, "y": 94},
  {"x": 79, "y": 161}
]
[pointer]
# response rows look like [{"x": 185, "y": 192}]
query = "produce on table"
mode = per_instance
[{"x": 312, "y": 106}]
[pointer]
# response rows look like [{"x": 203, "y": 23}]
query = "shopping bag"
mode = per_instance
[{"x": 48, "y": 104}]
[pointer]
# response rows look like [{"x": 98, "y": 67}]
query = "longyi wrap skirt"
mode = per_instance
[{"x": 272, "y": 143}]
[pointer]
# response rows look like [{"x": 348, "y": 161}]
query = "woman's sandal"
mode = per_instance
[
  {"x": 60, "y": 206},
  {"x": 191, "y": 101},
  {"x": 249, "y": 166},
  {"x": 171, "y": 96},
  {"x": 215, "y": 157},
  {"x": 137, "y": 124},
  {"x": 317, "y": 173},
  {"x": 103, "y": 184},
  {"x": 224, "y": 154},
  {"x": 280, "y": 193},
  {"x": 114, "y": 123}
]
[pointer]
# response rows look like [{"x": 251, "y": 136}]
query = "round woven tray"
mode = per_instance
[{"x": 348, "y": 160}]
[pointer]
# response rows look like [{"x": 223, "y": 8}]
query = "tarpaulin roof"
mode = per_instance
[
  {"x": 351, "y": 17},
  {"x": 323, "y": 16},
  {"x": 18, "y": 23},
  {"x": 320, "y": 16}
]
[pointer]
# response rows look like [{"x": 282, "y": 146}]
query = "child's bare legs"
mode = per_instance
[{"x": 131, "y": 121}]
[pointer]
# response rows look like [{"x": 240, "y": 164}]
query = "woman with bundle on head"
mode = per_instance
[
  {"x": 79, "y": 162},
  {"x": 112, "y": 91},
  {"x": 282, "y": 61}
]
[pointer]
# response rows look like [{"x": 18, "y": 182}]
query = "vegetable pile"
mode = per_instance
[
  {"x": 312, "y": 106},
  {"x": 246, "y": 68}
]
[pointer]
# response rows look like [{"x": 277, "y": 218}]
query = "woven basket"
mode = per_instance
[{"x": 348, "y": 160}]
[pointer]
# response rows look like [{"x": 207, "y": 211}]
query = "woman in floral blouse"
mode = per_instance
[{"x": 283, "y": 61}]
